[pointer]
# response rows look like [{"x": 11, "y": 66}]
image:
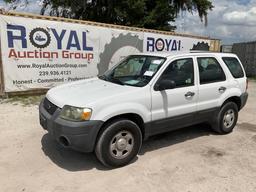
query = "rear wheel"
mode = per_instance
[
  {"x": 226, "y": 119},
  {"x": 119, "y": 143}
]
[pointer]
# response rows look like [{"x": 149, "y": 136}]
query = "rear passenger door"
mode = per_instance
[{"x": 212, "y": 84}]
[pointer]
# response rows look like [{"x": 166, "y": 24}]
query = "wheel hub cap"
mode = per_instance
[
  {"x": 229, "y": 118},
  {"x": 121, "y": 145}
]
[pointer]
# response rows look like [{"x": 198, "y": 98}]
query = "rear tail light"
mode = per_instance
[{"x": 246, "y": 84}]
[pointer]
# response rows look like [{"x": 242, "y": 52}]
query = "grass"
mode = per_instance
[
  {"x": 23, "y": 100},
  {"x": 252, "y": 78}
]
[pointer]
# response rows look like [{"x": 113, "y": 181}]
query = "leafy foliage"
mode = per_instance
[{"x": 153, "y": 14}]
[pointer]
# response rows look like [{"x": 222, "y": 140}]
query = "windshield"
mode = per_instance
[{"x": 135, "y": 70}]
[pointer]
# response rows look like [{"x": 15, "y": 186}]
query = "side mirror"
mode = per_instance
[{"x": 165, "y": 84}]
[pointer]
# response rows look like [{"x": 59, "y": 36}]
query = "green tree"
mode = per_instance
[{"x": 153, "y": 14}]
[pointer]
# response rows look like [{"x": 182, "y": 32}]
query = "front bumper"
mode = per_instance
[
  {"x": 80, "y": 136},
  {"x": 243, "y": 99}
]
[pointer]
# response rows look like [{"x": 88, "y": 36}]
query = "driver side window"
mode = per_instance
[{"x": 181, "y": 72}]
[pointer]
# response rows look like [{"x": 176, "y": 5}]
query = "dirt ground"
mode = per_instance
[{"x": 193, "y": 159}]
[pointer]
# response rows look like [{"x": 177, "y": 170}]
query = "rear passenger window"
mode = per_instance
[
  {"x": 181, "y": 72},
  {"x": 234, "y": 66},
  {"x": 210, "y": 70}
]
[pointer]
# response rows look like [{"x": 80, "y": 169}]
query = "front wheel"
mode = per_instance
[
  {"x": 119, "y": 143},
  {"x": 226, "y": 119}
]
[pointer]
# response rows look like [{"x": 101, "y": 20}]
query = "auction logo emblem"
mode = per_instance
[
  {"x": 39, "y": 37},
  {"x": 159, "y": 44}
]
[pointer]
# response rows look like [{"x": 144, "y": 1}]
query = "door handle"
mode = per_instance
[
  {"x": 222, "y": 89},
  {"x": 189, "y": 94}
]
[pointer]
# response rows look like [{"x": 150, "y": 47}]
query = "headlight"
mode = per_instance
[{"x": 75, "y": 113}]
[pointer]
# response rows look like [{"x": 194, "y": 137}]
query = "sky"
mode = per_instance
[{"x": 230, "y": 21}]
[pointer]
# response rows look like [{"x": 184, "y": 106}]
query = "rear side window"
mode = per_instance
[
  {"x": 210, "y": 70},
  {"x": 234, "y": 66}
]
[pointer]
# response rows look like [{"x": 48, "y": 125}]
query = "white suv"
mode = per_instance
[{"x": 144, "y": 95}]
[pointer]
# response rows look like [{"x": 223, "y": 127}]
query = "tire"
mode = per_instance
[
  {"x": 119, "y": 143},
  {"x": 226, "y": 119}
]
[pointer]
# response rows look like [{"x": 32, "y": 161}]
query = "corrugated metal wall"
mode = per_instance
[
  {"x": 1, "y": 74},
  {"x": 247, "y": 54}
]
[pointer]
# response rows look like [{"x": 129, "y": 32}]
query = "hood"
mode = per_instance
[{"x": 85, "y": 92}]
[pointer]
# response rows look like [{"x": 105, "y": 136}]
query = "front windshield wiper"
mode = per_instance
[
  {"x": 111, "y": 79},
  {"x": 115, "y": 80}
]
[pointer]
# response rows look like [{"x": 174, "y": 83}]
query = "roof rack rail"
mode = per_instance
[
  {"x": 202, "y": 51},
  {"x": 199, "y": 51}
]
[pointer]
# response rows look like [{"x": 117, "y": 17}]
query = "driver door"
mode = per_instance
[{"x": 175, "y": 108}]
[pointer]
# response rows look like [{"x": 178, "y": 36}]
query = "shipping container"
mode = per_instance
[{"x": 39, "y": 52}]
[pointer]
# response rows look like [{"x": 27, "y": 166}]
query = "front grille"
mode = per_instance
[{"x": 49, "y": 106}]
